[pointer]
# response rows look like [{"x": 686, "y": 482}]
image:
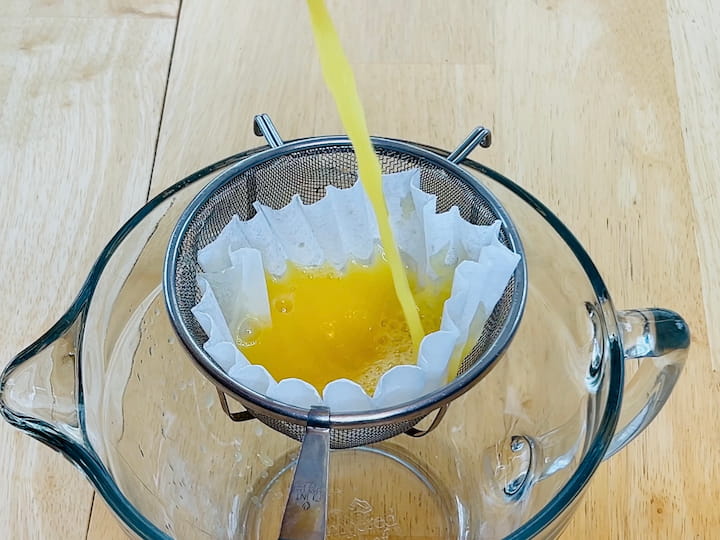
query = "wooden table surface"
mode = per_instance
[{"x": 607, "y": 110}]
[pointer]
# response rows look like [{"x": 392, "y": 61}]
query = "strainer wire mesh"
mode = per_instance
[{"x": 308, "y": 171}]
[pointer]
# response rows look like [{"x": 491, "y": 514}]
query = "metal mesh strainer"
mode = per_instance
[{"x": 306, "y": 167}]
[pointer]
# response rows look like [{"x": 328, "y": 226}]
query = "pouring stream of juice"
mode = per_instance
[{"x": 341, "y": 83}]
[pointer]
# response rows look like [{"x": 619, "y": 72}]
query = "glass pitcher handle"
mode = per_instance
[{"x": 660, "y": 339}]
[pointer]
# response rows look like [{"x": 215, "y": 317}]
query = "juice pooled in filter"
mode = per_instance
[{"x": 328, "y": 325}]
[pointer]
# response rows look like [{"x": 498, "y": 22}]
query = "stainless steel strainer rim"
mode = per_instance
[{"x": 282, "y": 411}]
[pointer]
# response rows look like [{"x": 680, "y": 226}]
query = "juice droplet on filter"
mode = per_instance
[
  {"x": 407, "y": 206},
  {"x": 249, "y": 332}
]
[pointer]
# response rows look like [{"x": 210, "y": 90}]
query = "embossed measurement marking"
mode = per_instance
[{"x": 360, "y": 520}]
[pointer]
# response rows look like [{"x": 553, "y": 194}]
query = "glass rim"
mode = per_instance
[{"x": 79, "y": 450}]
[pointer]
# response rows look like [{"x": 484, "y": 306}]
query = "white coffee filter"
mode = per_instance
[{"x": 336, "y": 230}]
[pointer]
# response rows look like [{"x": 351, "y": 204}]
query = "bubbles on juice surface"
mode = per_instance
[
  {"x": 329, "y": 329},
  {"x": 283, "y": 303},
  {"x": 392, "y": 347}
]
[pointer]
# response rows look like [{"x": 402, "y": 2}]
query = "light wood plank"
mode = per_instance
[
  {"x": 262, "y": 59},
  {"x": 90, "y": 8},
  {"x": 103, "y": 525},
  {"x": 693, "y": 27},
  {"x": 612, "y": 165},
  {"x": 590, "y": 114},
  {"x": 79, "y": 110}
]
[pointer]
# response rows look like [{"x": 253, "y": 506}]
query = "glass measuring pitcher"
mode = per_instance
[{"x": 111, "y": 388}]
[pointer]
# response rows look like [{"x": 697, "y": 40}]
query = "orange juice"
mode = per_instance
[{"x": 327, "y": 325}]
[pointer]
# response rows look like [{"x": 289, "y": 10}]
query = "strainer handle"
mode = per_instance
[{"x": 305, "y": 514}]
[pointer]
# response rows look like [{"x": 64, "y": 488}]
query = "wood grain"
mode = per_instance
[
  {"x": 80, "y": 105},
  {"x": 103, "y": 524},
  {"x": 696, "y": 51},
  {"x": 605, "y": 110},
  {"x": 91, "y": 8}
]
